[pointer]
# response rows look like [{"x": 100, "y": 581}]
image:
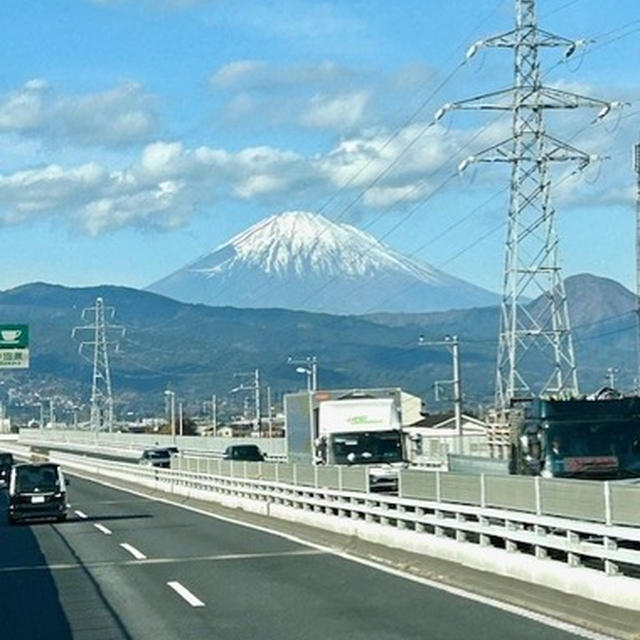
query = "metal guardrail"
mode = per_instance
[
  {"x": 328, "y": 477},
  {"x": 606, "y": 502}
]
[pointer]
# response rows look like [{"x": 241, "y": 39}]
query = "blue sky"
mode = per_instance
[{"x": 137, "y": 135}]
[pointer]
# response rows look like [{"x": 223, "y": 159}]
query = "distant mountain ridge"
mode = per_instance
[
  {"x": 303, "y": 261},
  {"x": 196, "y": 349}
]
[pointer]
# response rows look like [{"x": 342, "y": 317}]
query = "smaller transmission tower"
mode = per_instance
[{"x": 101, "y": 417}]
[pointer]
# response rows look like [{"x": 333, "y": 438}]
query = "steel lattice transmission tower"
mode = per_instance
[
  {"x": 532, "y": 337},
  {"x": 101, "y": 417}
]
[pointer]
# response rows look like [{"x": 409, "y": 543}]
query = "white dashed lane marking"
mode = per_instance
[
  {"x": 81, "y": 514},
  {"x": 184, "y": 593},
  {"x": 138, "y": 555},
  {"x": 101, "y": 527}
]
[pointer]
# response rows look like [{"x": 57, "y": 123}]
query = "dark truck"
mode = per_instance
[
  {"x": 597, "y": 437},
  {"x": 586, "y": 438}
]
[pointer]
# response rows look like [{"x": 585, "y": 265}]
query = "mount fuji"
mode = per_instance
[{"x": 300, "y": 260}]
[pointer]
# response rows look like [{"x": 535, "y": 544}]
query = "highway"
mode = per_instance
[{"x": 126, "y": 566}]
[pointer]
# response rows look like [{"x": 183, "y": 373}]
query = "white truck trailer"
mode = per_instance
[{"x": 349, "y": 427}]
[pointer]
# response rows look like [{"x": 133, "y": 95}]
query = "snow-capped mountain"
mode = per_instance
[{"x": 301, "y": 260}]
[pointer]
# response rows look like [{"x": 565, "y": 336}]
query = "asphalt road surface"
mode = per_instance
[{"x": 125, "y": 566}]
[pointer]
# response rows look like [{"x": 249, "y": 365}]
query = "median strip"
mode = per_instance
[
  {"x": 101, "y": 527},
  {"x": 138, "y": 555},
  {"x": 184, "y": 593}
]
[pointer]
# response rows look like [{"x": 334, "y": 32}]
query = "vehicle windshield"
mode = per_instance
[
  {"x": 160, "y": 453},
  {"x": 36, "y": 479},
  {"x": 367, "y": 447},
  {"x": 616, "y": 443}
]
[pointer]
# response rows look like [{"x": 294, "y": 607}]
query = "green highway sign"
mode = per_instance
[
  {"x": 14, "y": 336},
  {"x": 14, "y": 346}
]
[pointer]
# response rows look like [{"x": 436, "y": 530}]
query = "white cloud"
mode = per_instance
[
  {"x": 258, "y": 75},
  {"x": 307, "y": 95},
  {"x": 22, "y": 109},
  {"x": 161, "y": 190},
  {"x": 158, "y": 157},
  {"x": 29, "y": 192},
  {"x": 168, "y": 181},
  {"x": 237, "y": 73},
  {"x": 415, "y": 151},
  {"x": 335, "y": 112},
  {"x": 118, "y": 116}
]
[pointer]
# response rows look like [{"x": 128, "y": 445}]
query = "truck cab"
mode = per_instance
[
  {"x": 595, "y": 438},
  {"x": 362, "y": 431}
]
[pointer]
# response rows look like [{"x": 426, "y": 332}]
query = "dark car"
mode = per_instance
[
  {"x": 157, "y": 457},
  {"x": 37, "y": 490},
  {"x": 6, "y": 462},
  {"x": 248, "y": 452}
]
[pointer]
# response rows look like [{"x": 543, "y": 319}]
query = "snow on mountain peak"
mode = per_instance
[
  {"x": 302, "y": 260},
  {"x": 300, "y": 243}
]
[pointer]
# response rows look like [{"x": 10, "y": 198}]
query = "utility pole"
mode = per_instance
[
  {"x": 172, "y": 412},
  {"x": 180, "y": 419},
  {"x": 255, "y": 387},
  {"x": 256, "y": 383},
  {"x": 269, "y": 415},
  {"x": 101, "y": 416},
  {"x": 532, "y": 266},
  {"x": 52, "y": 416},
  {"x": 453, "y": 344},
  {"x": 214, "y": 414},
  {"x": 309, "y": 366}
]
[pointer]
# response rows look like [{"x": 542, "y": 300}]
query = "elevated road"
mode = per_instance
[{"x": 125, "y": 566}]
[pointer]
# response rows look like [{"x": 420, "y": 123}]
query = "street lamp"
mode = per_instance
[
  {"x": 308, "y": 373},
  {"x": 172, "y": 404},
  {"x": 611, "y": 376},
  {"x": 310, "y": 368}
]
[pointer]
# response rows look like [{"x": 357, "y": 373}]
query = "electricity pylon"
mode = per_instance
[
  {"x": 101, "y": 417},
  {"x": 532, "y": 337}
]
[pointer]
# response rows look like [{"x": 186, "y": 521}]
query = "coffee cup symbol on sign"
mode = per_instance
[{"x": 10, "y": 335}]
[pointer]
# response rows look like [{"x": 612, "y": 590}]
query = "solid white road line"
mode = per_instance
[
  {"x": 101, "y": 527},
  {"x": 183, "y": 592},
  {"x": 138, "y": 555},
  {"x": 80, "y": 514}
]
